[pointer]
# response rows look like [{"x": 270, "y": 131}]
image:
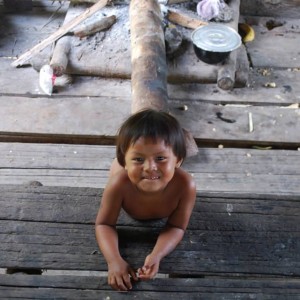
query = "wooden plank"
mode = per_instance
[
  {"x": 68, "y": 116},
  {"x": 225, "y": 124},
  {"x": 56, "y": 177},
  {"x": 227, "y": 234},
  {"x": 42, "y": 117},
  {"x": 247, "y": 171},
  {"x": 80, "y": 287},
  {"x": 280, "y": 8},
  {"x": 56, "y": 156},
  {"x": 262, "y": 50},
  {"x": 286, "y": 92},
  {"x": 89, "y": 157}
]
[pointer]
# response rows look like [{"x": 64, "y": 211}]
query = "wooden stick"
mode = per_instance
[
  {"x": 95, "y": 26},
  {"x": 184, "y": 20},
  {"x": 242, "y": 68},
  {"x": 59, "y": 33},
  {"x": 226, "y": 74},
  {"x": 60, "y": 57}
]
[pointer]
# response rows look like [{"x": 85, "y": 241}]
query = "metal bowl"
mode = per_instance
[{"x": 213, "y": 42}]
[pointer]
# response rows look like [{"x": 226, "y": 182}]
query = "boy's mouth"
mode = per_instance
[{"x": 151, "y": 177}]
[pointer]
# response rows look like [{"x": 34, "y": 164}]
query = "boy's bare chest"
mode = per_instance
[{"x": 149, "y": 207}]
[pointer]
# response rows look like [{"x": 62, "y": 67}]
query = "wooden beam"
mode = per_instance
[
  {"x": 59, "y": 33},
  {"x": 148, "y": 56}
]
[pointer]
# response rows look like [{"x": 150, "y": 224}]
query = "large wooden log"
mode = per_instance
[
  {"x": 148, "y": 60},
  {"x": 148, "y": 56}
]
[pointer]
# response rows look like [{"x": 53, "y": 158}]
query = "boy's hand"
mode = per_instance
[
  {"x": 150, "y": 268},
  {"x": 120, "y": 274}
]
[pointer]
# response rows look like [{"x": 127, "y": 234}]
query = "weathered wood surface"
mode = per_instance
[
  {"x": 248, "y": 217},
  {"x": 22, "y": 31},
  {"x": 286, "y": 92},
  {"x": 244, "y": 171},
  {"x": 76, "y": 118},
  {"x": 274, "y": 43},
  {"x": 87, "y": 287},
  {"x": 109, "y": 54},
  {"x": 275, "y": 8},
  {"x": 227, "y": 234},
  {"x": 66, "y": 28}
]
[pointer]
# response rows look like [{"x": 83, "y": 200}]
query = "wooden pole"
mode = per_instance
[
  {"x": 59, "y": 33},
  {"x": 148, "y": 59},
  {"x": 94, "y": 26},
  {"x": 148, "y": 56}
]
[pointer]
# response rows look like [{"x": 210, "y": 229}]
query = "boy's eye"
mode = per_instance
[
  {"x": 160, "y": 158},
  {"x": 138, "y": 159}
]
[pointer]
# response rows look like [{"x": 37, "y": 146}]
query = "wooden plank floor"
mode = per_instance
[
  {"x": 89, "y": 111},
  {"x": 247, "y": 171},
  {"x": 65, "y": 142},
  {"x": 249, "y": 246}
]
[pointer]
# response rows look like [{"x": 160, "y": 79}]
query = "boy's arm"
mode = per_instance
[
  {"x": 170, "y": 237},
  {"x": 119, "y": 271},
  {"x": 166, "y": 243}
]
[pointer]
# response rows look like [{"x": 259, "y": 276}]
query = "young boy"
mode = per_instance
[{"x": 147, "y": 182}]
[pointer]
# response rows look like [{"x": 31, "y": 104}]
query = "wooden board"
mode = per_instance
[
  {"x": 78, "y": 118},
  {"x": 277, "y": 8},
  {"x": 275, "y": 47},
  {"x": 245, "y": 171},
  {"x": 90, "y": 288},
  {"x": 227, "y": 234},
  {"x": 286, "y": 92}
]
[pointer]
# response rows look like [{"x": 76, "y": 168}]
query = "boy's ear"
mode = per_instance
[{"x": 179, "y": 162}]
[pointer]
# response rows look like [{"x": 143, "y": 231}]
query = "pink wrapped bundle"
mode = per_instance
[{"x": 209, "y": 9}]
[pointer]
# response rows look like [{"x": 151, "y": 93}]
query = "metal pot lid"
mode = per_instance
[{"x": 216, "y": 38}]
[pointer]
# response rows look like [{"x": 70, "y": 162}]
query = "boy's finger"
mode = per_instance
[
  {"x": 121, "y": 285},
  {"x": 146, "y": 269},
  {"x": 127, "y": 282},
  {"x": 112, "y": 282},
  {"x": 133, "y": 274}
]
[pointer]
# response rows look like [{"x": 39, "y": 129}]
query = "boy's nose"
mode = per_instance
[{"x": 150, "y": 165}]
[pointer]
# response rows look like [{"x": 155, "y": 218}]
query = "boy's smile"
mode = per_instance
[{"x": 150, "y": 164}]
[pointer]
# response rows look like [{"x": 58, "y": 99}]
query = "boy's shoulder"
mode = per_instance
[
  {"x": 181, "y": 173},
  {"x": 119, "y": 179},
  {"x": 185, "y": 178}
]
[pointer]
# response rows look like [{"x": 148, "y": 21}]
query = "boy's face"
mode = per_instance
[{"x": 150, "y": 165}]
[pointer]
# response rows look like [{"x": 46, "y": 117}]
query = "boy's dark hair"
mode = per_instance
[{"x": 153, "y": 124}]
